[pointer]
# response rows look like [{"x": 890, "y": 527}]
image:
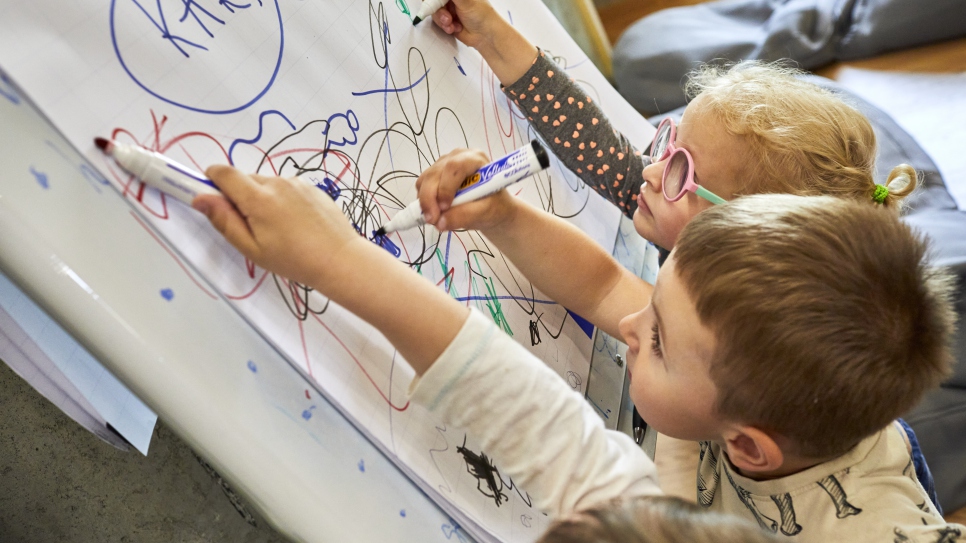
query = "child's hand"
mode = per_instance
[
  {"x": 438, "y": 185},
  {"x": 287, "y": 226},
  {"x": 478, "y": 25},
  {"x": 467, "y": 20}
]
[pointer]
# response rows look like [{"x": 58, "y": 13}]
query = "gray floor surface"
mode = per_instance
[{"x": 59, "y": 483}]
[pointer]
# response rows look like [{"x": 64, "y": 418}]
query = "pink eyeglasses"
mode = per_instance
[{"x": 678, "y": 176}]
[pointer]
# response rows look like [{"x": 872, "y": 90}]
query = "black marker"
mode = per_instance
[{"x": 427, "y": 10}]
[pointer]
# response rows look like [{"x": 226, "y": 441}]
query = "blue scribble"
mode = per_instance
[
  {"x": 307, "y": 414},
  {"x": 387, "y": 90},
  {"x": 583, "y": 323},
  {"x": 231, "y": 6},
  {"x": 161, "y": 24},
  {"x": 191, "y": 8},
  {"x": 7, "y": 90},
  {"x": 41, "y": 178},
  {"x": 252, "y": 366},
  {"x": 351, "y": 120},
  {"x": 387, "y": 244},
  {"x": 362, "y": 466},
  {"x": 449, "y": 530},
  {"x": 458, "y": 65},
  {"x": 261, "y": 120},
  {"x": 167, "y": 294},
  {"x": 93, "y": 176},
  {"x": 603, "y": 413},
  {"x": 402, "y": 513},
  {"x": 449, "y": 239},
  {"x": 327, "y": 186}
]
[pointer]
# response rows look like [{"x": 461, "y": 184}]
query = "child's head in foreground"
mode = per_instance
[
  {"x": 788, "y": 324},
  {"x": 758, "y": 128},
  {"x": 653, "y": 519}
]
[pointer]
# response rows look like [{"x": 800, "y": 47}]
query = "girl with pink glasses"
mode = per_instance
[{"x": 750, "y": 129}]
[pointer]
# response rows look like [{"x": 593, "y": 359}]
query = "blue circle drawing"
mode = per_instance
[{"x": 159, "y": 21}]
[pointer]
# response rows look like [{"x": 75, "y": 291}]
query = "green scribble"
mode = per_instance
[
  {"x": 401, "y": 4},
  {"x": 493, "y": 302}
]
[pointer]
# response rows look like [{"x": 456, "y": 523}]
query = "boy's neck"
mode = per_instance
[{"x": 791, "y": 465}]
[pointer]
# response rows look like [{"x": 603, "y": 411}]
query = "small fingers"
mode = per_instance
[
  {"x": 427, "y": 185},
  {"x": 462, "y": 216},
  {"x": 238, "y": 187},
  {"x": 227, "y": 220},
  {"x": 460, "y": 165}
]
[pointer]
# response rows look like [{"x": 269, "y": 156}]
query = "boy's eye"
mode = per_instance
[{"x": 655, "y": 340}]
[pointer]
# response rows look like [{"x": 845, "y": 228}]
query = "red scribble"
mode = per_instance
[
  {"x": 450, "y": 274},
  {"x": 173, "y": 255},
  {"x": 305, "y": 349},
  {"x": 191, "y": 140},
  {"x": 361, "y": 367},
  {"x": 250, "y": 292},
  {"x": 307, "y": 397}
]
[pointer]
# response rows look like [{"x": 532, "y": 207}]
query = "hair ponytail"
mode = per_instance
[{"x": 902, "y": 180}]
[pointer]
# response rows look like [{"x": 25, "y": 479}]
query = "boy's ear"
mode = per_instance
[{"x": 752, "y": 450}]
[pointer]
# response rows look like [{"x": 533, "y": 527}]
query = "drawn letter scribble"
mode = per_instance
[{"x": 202, "y": 39}]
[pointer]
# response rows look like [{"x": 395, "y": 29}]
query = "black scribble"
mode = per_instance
[
  {"x": 574, "y": 380},
  {"x": 480, "y": 467},
  {"x": 534, "y": 333}
]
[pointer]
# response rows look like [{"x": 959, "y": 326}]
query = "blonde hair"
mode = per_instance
[
  {"x": 653, "y": 519},
  {"x": 803, "y": 139},
  {"x": 828, "y": 319}
]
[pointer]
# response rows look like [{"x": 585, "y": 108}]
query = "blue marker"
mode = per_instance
[
  {"x": 158, "y": 171},
  {"x": 495, "y": 176}
]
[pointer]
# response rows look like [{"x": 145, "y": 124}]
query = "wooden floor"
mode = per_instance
[{"x": 943, "y": 57}]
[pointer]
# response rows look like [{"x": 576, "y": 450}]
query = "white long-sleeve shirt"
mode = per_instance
[{"x": 542, "y": 434}]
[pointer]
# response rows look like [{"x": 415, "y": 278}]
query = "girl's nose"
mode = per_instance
[{"x": 653, "y": 173}]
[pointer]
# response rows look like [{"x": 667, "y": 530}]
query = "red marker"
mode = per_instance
[{"x": 158, "y": 171}]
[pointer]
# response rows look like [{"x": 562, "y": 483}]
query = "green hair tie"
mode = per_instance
[{"x": 880, "y": 193}]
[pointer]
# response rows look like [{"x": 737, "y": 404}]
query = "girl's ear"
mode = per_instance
[{"x": 752, "y": 450}]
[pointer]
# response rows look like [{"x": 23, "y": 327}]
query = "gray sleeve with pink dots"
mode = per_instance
[{"x": 579, "y": 133}]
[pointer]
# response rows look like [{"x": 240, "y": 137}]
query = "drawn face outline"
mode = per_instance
[
  {"x": 718, "y": 166},
  {"x": 670, "y": 379}
]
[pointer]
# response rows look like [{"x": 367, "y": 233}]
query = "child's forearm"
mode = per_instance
[
  {"x": 579, "y": 133},
  {"x": 568, "y": 266},
  {"x": 505, "y": 50},
  {"x": 419, "y": 319}
]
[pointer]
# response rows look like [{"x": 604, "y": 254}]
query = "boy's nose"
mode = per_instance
[{"x": 629, "y": 332}]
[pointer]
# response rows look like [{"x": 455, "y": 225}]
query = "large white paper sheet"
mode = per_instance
[{"x": 348, "y": 94}]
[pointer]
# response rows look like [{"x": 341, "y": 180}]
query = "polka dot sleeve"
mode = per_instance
[{"x": 578, "y": 132}]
